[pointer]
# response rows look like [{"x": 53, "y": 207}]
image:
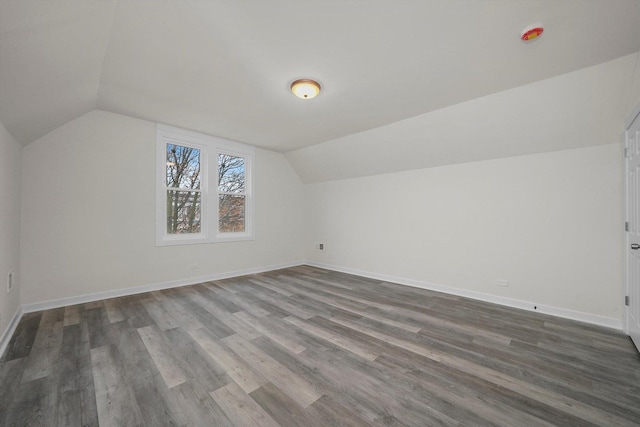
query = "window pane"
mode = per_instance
[
  {"x": 183, "y": 167},
  {"x": 232, "y": 210},
  {"x": 230, "y": 174},
  {"x": 183, "y": 212}
]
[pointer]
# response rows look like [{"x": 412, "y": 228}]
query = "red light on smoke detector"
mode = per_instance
[{"x": 531, "y": 33}]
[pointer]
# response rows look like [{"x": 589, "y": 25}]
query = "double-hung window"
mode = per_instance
[{"x": 203, "y": 188}]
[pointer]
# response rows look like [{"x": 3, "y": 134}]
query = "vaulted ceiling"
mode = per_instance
[{"x": 224, "y": 67}]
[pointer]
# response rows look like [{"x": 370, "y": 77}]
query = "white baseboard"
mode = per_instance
[
  {"x": 11, "y": 328},
  {"x": 594, "y": 319},
  {"x": 509, "y": 302},
  {"x": 62, "y": 302}
]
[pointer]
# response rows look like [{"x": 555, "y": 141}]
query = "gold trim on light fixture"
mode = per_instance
[{"x": 305, "y": 88}]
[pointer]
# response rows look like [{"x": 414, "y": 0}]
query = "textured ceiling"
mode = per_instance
[{"x": 223, "y": 67}]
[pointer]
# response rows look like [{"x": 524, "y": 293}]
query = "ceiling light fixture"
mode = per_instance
[{"x": 305, "y": 88}]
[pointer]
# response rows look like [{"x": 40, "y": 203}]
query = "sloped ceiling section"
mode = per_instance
[
  {"x": 582, "y": 108},
  {"x": 223, "y": 67},
  {"x": 51, "y": 55}
]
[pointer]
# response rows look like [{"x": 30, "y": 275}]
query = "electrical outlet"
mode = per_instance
[
  {"x": 502, "y": 283},
  {"x": 10, "y": 279},
  {"x": 321, "y": 246}
]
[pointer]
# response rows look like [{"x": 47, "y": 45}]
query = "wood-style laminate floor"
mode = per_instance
[{"x": 310, "y": 347}]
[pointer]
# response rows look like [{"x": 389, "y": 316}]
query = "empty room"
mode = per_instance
[{"x": 319, "y": 213}]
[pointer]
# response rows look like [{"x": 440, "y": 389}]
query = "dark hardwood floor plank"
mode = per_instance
[
  {"x": 179, "y": 306},
  {"x": 245, "y": 305},
  {"x": 297, "y": 388},
  {"x": 195, "y": 362},
  {"x": 160, "y": 315},
  {"x": 240, "y": 408},
  {"x": 284, "y": 410},
  {"x": 334, "y": 413},
  {"x": 269, "y": 327},
  {"x": 203, "y": 318},
  {"x": 112, "y": 307},
  {"x": 217, "y": 312},
  {"x": 247, "y": 378},
  {"x": 21, "y": 342},
  {"x": 198, "y": 407},
  {"x": 163, "y": 356},
  {"x": 336, "y": 339},
  {"x": 135, "y": 314},
  {"x": 347, "y": 375},
  {"x": 350, "y": 410},
  {"x": 271, "y": 287},
  {"x": 144, "y": 380},
  {"x": 71, "y": 315},
  {"x": 289, "y": 308},
  {"x": 41, "y": 362},
  {"x": 11, "y": 375},
  {"x": 95, "y": 317},
  {"x": 116, "y": 402},
  {"x": 217, "y": 294},
  {"x": 74, "y": 373},
  {"x": 33, "y": 405}
]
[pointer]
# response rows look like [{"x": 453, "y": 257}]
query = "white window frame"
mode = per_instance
[{"x": 210, "y": 148}]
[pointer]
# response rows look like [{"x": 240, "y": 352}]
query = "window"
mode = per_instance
[
  {"x": 203, "y": 188},
  {"x": 184, "y": 196},
  {"x": 231, "y": 193}
]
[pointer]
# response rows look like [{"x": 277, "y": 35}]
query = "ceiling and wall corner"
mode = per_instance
[{"x": 10, "y": 170}]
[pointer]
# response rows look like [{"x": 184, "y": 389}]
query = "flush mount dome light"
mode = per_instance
[{"x": 305, "y": 88}]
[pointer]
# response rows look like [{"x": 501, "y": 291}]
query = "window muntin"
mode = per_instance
[{"x": 188, "y": 164}]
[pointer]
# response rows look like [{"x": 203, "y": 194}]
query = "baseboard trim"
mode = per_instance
[
  {"x": 509, "y": 302},
  {"x": 11, "y": 328},
  {"x": 593, "y": 319},
  {"x": 63, "y": 302}
]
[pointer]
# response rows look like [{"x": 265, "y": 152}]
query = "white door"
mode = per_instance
[{"x": 632, "y": 163}]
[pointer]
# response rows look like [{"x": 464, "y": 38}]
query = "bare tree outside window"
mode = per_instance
[
  {"x": 231, "y": 193},
  {"x": 203, "y": 188},
  {"x": 183, "y": 189}
]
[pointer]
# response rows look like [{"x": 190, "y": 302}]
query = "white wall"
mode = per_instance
[
  {"x": 634, "y": 93},
  {"x": 88, "y": 214},
  {"x": 550, "y": 224},
  {"x": 10, "y": 154}
]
